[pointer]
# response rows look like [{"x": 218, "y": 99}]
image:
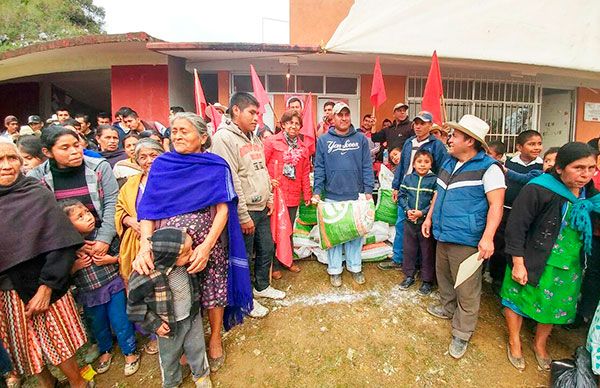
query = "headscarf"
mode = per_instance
[
  {"x": 184, "y": 183},
  {"x": 580, "y": 218},
  {"x": 33, "y": 223}
]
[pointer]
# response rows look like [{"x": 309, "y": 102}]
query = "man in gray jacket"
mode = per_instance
[{"x": 236, "y": 142}]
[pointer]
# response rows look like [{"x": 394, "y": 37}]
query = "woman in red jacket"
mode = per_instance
[{"x": 288, "y": 162}]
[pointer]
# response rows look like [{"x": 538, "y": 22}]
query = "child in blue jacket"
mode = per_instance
[{"x": 414, "y": 199}]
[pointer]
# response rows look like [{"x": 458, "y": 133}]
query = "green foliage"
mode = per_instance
[{"x": 25, "y": 22}]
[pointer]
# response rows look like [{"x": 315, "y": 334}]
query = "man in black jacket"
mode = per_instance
[{"x": 400, "y": 130}]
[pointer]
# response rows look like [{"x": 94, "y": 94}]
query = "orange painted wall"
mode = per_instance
[
  {"x": 145, "y": 88},
  {"x": 586, "y": 130},
  {"x": 395, "y": 89},
  {"x": 279, "y": 104},
  {"x": 223, "y": 82},
  {"x": 313, "y": 22}
]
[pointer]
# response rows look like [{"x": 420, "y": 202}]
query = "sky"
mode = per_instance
[{"x": 258, "y": 21}]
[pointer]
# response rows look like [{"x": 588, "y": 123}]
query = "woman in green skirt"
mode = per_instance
[{"x": 547, "y": 230}]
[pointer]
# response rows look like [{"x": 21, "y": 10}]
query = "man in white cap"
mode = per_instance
[
  {"x": 400, "y": 130},
  {"x": 343, "y": 170},
  {"x": 467, "y": 209}
]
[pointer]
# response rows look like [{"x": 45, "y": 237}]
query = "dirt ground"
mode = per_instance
[{"x": 370, "y": 335}]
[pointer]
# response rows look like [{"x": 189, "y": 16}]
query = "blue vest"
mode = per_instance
[{"x": 461, "y": 207}]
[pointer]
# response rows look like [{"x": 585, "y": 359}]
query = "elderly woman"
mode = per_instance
[
  {"x": 40, "y": 323},
  {"x": 125, "y": 168},
  {"x": 107, "y": 138},
  {"x": 71, "y": 175},
  {"x": 289, "y": 167},
  {"x": 130, "y": 195},
  {"x": 194, "y": 189},
  {"x": 547, "y": 230}
]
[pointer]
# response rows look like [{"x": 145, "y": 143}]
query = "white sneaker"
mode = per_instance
[
  {"x": 259, "y": 311},
  {"x": 269, "y": 292}
]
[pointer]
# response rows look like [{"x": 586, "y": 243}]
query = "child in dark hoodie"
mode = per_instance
[
  {"x": 414, "y": 198},
  {"x": 166, "y": 302}
]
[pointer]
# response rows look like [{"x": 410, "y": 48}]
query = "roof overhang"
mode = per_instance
[{"x": 90, "y": 52}]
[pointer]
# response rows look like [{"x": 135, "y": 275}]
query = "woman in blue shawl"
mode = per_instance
[
  {"x": 193, "y": 189},
  {"x": 548, "y": 230}
]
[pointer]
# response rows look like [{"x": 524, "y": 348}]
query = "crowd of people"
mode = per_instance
[{"x": 135, "y": 231}]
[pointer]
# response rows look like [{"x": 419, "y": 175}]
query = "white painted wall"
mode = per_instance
[{"x": 555, "y": 118}]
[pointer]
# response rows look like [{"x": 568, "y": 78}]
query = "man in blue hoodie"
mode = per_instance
[{"x": 343, "y": 170}]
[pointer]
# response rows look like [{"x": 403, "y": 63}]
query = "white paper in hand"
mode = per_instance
[{"x": 467, "y": 268}]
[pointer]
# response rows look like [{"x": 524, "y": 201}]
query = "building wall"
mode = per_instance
[
  {"x": 395, "y": 89},
  {"x": 145, "y": 88},
  {"x": 20, "y": 100},
  {"x": 586, "y": 130},
  {"x": 313, "y": 22},
  {"x": 181, "y": 84},
  {"x": 223, "y": 79}
]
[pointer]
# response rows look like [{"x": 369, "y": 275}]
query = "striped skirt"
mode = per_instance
[{"x": 51, "y": 337}]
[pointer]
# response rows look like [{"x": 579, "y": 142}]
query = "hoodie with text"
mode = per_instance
[{"x": 343, "y": 167}]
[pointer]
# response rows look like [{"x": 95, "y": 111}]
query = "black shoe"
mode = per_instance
[
  {"x": 406, "y": 283},
  {"x": 425, "y": 288}
]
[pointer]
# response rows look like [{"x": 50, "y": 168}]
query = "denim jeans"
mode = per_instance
[
  {"x": 112, "y": 315},
  {"x": 352, "y": 250},
  {"x": 188, "y": 339},
  {"x": 5, "y": 364},
  {"x": 261, "y": 241},
  {"x": 399, "y": 238}
]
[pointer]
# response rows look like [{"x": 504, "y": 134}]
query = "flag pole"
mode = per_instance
[
  {"x": 275, "y": 116},
  {"x": 445, "y": 120}
]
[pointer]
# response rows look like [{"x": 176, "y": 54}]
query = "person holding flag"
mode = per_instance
[{"x": 288, "y": 162}]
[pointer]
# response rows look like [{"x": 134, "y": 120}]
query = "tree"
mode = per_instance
[{"x": 25, "y": 22}]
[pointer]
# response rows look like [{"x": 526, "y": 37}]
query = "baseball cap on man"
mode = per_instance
[
  {"x": 400, "y": 105},
  {"x": 424, "y": 116},
  {"x": 34, "y": 119},
  {"x": 337, "y": 108},
  {"x": 10, "y": 119}
]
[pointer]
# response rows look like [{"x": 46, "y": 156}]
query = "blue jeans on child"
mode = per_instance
[
  {"x": 335, "y": 259},
  {"x": 5, "y": 364},
  {"x": 399, "y": 238},
  {"x": 112, "y": 315}
]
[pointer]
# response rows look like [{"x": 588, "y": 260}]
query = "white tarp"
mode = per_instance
[{"x": 556, "y": 33}]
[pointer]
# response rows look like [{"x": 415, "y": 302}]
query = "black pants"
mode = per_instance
[
  {"x": 590, "y": 290},
  {"x": 260, "y": 241},
  {"x": 292, "y": 211},
  {"x": 415, "y": 243},
  {"x": 499, "y": 259}
]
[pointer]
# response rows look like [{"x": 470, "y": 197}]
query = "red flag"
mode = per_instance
[
  {"x": 281, "y": 227},
  {"x": 433, "y": 91},
  {"x": 378, "y": 95},
  {"x": 308, "y": 125},
  {"x": 199, "y": 96},
  {"x": 216, "y": 117},
  {"x": 259, "y": 91}
]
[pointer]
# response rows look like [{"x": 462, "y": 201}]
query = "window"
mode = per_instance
[
  {"x": 243, "y": 83},
  {"x": 341, "y": 85},
  {"x": 280, "y": 84},
  {"x": 298, "y": 84},
  {"x": 508, "y": 107},
  {"x": 309, "y": 83}
]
